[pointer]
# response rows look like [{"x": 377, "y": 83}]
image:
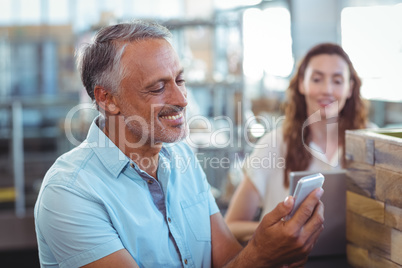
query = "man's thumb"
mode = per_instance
[{"x": 280, "y": 211}]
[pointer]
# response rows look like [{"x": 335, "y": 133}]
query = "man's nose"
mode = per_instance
[{"x": 179, "y": 96}]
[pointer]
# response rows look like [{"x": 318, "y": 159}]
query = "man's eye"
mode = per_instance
[
  {"x": 159, "y": 90},
  {"x": 180, "y": 82}
]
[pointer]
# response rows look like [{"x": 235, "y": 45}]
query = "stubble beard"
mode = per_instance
[{"x": 154, "y": 134}]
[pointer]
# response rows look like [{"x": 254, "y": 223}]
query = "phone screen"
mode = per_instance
[{"x": 303, "y": 188}]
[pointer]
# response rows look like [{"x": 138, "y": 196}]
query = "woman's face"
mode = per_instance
[{"x": 326, "y": 85}]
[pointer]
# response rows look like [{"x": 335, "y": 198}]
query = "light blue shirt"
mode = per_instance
[{"x": 94, "y": 201}]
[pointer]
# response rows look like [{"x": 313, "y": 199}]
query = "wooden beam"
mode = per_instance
[
  {"x": 396, "y": 246},
  {"x": 361, "y": 179},
  {"x": 389, "y": 186},
  {"x": 359, "y": 148},
  {"x": 388, "y": 155},
  {"x": 360, "y": 257},
  {"x": 393, "y": 217},
  {"x": 368, "y": 234},
  {"x": 366, "y": 207}
]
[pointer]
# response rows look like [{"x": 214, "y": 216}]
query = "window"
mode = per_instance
[
  {"x": 5, "y": 12},
  {"x": 58, "y": 12},
  {"x": 29, "y": 12},
  {"x": 267, "y": 46},
  {"x": 372, "y": 38}
]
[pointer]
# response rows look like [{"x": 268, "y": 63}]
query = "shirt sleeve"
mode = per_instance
[
  {"x": 76, "y": 228},
  {"x": 213, "y": 207}
]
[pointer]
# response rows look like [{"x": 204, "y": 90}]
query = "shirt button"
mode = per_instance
[
  {"x": 185, "y": 261},
  {"x": 132, "y": 165},
  {"x": 170, "y": 220},
  {"x": 150, "y": 181}
]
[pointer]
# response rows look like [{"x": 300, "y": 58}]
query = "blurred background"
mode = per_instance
[{"x": 238, "y": 57}]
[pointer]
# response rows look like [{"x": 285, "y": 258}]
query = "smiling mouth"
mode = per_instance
[{"x": 172, "y": 117}]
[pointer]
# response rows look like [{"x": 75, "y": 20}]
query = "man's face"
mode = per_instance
[{"x": 152, "y": 96}]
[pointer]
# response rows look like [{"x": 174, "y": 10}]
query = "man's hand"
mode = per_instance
[{"x": 278, "y": 243}]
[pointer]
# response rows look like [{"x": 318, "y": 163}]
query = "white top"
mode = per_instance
[{"x": 265, "y": 167}]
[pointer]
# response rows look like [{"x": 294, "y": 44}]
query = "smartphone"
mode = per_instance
[{"x": 304, "y": 187}]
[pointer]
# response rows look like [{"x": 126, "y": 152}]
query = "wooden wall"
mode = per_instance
[{"x": 374, "y": 199}]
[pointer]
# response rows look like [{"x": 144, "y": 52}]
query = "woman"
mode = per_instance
[{"x": 323, "y": 100}]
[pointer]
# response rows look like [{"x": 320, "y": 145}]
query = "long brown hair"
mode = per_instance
[{"x": 352, "y": 116}]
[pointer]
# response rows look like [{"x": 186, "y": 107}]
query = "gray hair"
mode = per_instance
[{"x": 99, "y": 61}]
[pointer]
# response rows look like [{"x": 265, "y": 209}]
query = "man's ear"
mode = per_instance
[{"x": 106, "y": 101}]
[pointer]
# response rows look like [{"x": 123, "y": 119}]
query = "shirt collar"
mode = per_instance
[
  {"x": 164, "y": 152},
  {"x": 108, "y": 153}
]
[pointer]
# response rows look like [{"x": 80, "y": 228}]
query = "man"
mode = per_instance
[{"x": 125, "y": 198}]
